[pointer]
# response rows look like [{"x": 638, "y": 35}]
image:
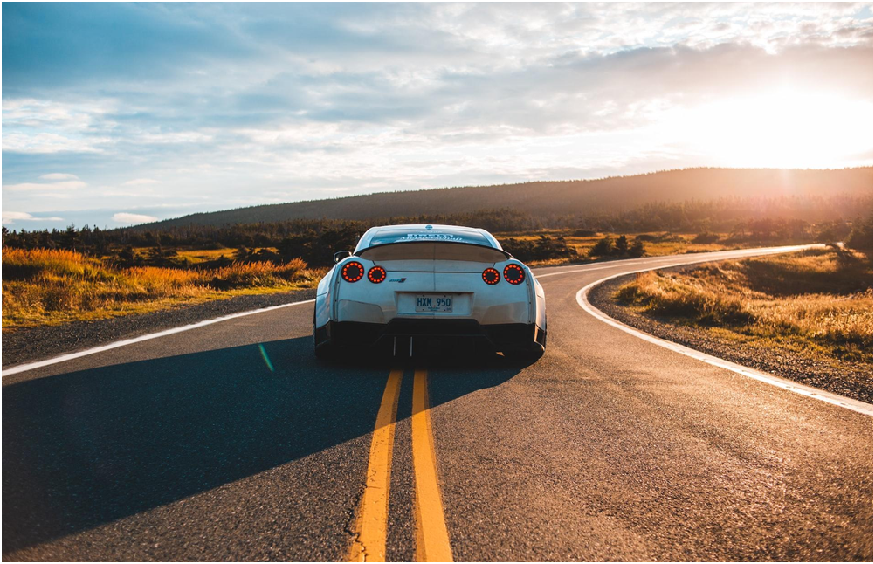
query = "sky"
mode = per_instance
[{"x": 116, "y": 114}]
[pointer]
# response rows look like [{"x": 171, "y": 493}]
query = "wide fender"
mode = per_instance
[
  {"x": 324, "y": 298},
  {"x": 539, "y": 303}
]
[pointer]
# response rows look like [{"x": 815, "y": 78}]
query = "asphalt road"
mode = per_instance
[{"x": 231, "y": 441}]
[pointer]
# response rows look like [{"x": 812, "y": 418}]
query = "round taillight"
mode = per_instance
[
  {"x": 377, "y": 275},
  {"x": 352, "y": 271},
  {"x": 514, "y": 274},
  {"x": 491, "y": 276}
]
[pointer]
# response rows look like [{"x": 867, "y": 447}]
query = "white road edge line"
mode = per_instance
[
  {"x": 546, "y": 275},
  {"x": 803, "y": 390},
  {"x": 114, "y": 345},
  {"x": 670, "y": 259}
]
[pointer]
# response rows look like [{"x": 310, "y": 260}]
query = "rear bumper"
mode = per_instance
[{"x": 360, "y": 334}]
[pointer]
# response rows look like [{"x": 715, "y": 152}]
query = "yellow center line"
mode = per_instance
[
  {"x": 432, "y": 537},
  {"x": 371, "y": 525}
]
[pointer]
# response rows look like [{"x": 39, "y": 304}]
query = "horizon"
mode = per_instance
[
  {"x": 13, "y": 227},
  {"x": 121, "y": 114}
]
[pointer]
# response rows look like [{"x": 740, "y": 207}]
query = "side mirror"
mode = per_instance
[{"x": 340, "y": 255}]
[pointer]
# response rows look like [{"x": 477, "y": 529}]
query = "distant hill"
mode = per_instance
[{"x": 555, "y": 199}]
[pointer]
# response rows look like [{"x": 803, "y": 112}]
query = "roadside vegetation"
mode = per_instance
[
  {"x": 53, "y": 286},
  {"x": 51, "y": 277},
  {"x": 655, "y": 229},
  {"x": 50, "y": 287},
  {"x": 582, "y": 246},
  {"x": 814, "y": 303}
]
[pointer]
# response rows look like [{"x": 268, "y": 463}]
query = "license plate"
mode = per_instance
[{"x": 433, "y": 303}]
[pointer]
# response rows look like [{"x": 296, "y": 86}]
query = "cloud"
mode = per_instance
[
  {"x": 47, "y": 143},
  {"x": 11, "y": 217},
  {"x": 103, "y": 43},
  {"x": 228, "y": 103},
  {"x": 57, "y": 176},
  {"x": 132, "y": 218},
  {"x": 45, "y": 186}
]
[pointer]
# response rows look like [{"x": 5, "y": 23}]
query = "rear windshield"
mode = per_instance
[
  {"x": 387, "y": 236},
  {"x": 434, "y": 251}
]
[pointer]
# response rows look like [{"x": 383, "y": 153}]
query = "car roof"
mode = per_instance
[{"x": 426, "y": 233}]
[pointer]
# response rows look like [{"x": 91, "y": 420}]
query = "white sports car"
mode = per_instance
[{"x": 404, "y": 283}]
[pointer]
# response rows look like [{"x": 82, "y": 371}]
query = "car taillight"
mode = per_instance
[
  {"x": 377, "y": 275},
  {"x": 514, "y": 274},
  {"x": 352, "y": 271},
  {"x": 491, "y": 276}
]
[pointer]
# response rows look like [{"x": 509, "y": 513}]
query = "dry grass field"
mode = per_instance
[
  {"x": 819, "y": 301},
  {"x": 198, "y": 256},
  {"x": 657, "y": 244},
  {"x": 48, "y": 287}
]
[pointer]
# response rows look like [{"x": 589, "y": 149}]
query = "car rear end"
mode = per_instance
[{"x": 434, "y": 289}]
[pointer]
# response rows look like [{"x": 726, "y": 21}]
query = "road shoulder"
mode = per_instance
[
  {"x": 844, "y": 378},
  {"x": 38, "y": 343}
]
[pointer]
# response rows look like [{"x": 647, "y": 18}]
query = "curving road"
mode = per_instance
[{"x": 229, "y": 441}]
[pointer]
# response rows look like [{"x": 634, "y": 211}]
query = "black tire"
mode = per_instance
[
  {"x": 532, "y": 353},
  {"x": 324, "y": 350}
]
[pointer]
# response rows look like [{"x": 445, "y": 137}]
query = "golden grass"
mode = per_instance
[
  {"x": 198, "y": 256},
  {"x": 811, "y": 300},
  {"x": 46, "y": 287},
  {"x": 680, "y": 245}
]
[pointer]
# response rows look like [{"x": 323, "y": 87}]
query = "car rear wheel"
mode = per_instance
[
  {"x": 324, "y": 350},
  {"x": 530, "y": 353}
]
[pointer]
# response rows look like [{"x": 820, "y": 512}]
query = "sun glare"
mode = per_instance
[{"x": 782, "y": 129}]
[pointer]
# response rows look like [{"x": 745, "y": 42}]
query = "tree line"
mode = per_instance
[{"x": 315, "y": 240}]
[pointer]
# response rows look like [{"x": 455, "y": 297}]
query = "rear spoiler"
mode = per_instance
[{"x": 505, "y": 253}]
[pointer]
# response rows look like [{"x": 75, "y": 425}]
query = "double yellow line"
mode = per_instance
[{"x": 371, "y": 525}]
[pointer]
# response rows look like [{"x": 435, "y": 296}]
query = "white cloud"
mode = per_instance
[
  {"x": 35, "y": 126},
  {"x": 58, "y": 176},
  {"x": 131, "y": 218},
  {"x": 10, "y": 217},
  {"x": 385, "y": 97},
  {"x": 48, "y": 143},
  {"x": 45, "y": 186}
]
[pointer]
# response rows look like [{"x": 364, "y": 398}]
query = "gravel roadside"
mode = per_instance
[
  {"x": 38, "y": 343},
  {"x": 851, "y": 379}
]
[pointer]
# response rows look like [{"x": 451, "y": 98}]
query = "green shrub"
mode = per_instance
[{"x": 602, "y": 248}]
